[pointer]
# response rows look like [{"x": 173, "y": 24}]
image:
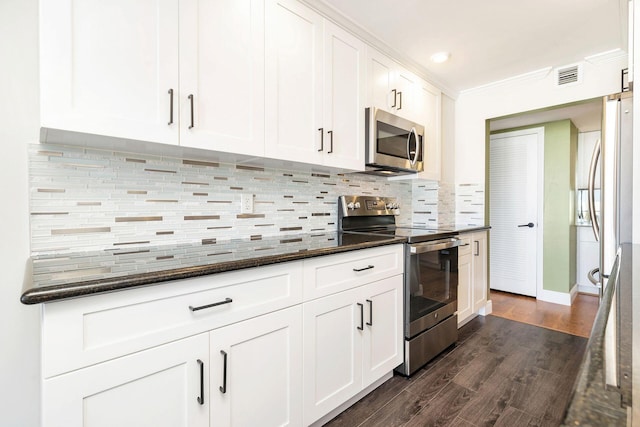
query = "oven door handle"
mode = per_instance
[{"x": 420, "y": 248}]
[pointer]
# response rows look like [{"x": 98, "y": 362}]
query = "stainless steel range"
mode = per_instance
[{"x": 430, "y": 281}]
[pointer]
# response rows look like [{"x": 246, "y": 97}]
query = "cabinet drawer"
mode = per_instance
[
  {"x": 329, "y": 274},
  {"x": 84, "y": 331},
  {"x": 465, "y": 246}
]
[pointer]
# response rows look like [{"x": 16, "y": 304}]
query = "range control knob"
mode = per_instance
[
  {"x": 389, "y": 206},
  {"x": 350, "y": 206},
  {"x": 357, "y": 205}
]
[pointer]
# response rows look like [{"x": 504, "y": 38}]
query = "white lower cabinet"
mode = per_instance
[
  {"x": 351, "y": 339},
  {"x": 158, "y": 387},
  {"x": 241, "y": 348},
  {"x": 256, "y": 371},
  {"x": 472, "y": 275}
]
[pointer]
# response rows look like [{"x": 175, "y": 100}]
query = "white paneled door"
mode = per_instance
[{"x": 513, "y": 179}]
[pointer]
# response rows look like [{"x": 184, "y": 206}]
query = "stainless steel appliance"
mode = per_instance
[
  {"x": 394, "y": 145},
  {"x": 430, "y": 281},
  {"x": 613, "y": 226}
]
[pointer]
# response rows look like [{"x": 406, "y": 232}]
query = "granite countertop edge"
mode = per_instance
[
  {"x": 37, "y": 295},
  {"x": 472, "y": 229}
]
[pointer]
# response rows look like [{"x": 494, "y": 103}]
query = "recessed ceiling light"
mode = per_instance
[{"x": 440, "y": 57}]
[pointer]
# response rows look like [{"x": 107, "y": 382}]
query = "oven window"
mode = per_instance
[
  {"x": 392, "y": 141},
  {"x": 433, "y": 281}
]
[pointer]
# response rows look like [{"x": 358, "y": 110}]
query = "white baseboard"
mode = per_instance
[
  {"x": 487, "y": 309},
  {"x": 588, "y": 289},
  {"x": 564, "y": 298}
]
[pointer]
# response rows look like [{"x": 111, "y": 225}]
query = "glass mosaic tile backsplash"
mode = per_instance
[{"x": 84, "y": 199}]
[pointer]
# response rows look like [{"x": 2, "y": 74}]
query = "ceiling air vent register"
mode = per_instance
[{"x": 568, "y": 75}]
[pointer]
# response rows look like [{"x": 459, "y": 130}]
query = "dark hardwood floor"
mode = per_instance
[{"x": 501, "y": 373}]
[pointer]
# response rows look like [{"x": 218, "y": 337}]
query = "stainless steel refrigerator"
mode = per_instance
[{"x": 613, "y": 225}]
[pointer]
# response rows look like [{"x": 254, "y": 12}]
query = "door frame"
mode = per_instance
[{"x": 539, "y": 132}]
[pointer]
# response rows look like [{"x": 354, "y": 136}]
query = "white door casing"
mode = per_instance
[{"x": 515, "y": 188}]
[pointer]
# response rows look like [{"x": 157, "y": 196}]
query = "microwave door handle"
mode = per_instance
[{"x": 415, "y": 157}]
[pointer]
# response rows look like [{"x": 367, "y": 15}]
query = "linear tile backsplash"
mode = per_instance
[{"x": 93, "y": 199}]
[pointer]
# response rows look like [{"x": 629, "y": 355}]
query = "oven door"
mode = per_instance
[{"x": 431, "y": 284}]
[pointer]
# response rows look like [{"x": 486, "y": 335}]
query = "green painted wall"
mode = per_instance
[{"x": 559, "y": 231}]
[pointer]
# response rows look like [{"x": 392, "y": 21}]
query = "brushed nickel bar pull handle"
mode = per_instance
[
  {"x": 330, "y": 142},
  {"x": 361, "y": 327},
  {"x": 370, "y": 322},
  {"x": 400, "y": 103},
  {"x": 477, "y": 242},
  {"x": 191, "y": 102},
  {"x": 215, "y": 304},
  {"x": 201, "y": 397},
  {"x": 321, "y": 139},
  {"x": 223, "y": 387},
  {"x": 395, "y": 97},
  {"x": 595, "y": 158},
  {"x": 170, "y": 107},
  {"x": 369, "y": 267}
]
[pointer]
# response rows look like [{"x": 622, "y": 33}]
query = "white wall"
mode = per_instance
[
  {"x": 520, "y": 94},
  {"x": 19, "y": 118}
]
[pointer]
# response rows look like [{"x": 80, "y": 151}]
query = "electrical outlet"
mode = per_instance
[{"x": 246, "y": 203}]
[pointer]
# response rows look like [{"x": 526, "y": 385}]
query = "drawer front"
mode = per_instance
[
  {"x": 334, "y": 273},
  {"x": 85, "y": 331},
  {"x": 465, "y": 246}
]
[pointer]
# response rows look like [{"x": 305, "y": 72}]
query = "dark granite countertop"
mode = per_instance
[
  {"x": 52, "y": 277},
  {"x": 594, "y": 403},
  {"x": 463, "y": 230}
]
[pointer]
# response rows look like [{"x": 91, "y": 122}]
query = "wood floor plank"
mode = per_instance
[
  {"x": 399, "y": 411},
  {"x": 443, "y": 409},
  {"x": 576, "y": 319},
  {"x": 364, "y": 408}
]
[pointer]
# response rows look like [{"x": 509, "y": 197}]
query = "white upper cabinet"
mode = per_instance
[
  {"x": 264, "y": 78},
  {"x": 293, "y": 82},
  {"x": 221, "y": 96},
  {"x": 344, "y": 98},
  {"x": 314, "y": 88},
  {"x": 107, "y": 67},
  {"x": 163, "y": 71},
  {"x": 428, "y": 107}
]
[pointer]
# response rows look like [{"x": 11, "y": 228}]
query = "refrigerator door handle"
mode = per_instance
[{"x": 595, "y": 157}]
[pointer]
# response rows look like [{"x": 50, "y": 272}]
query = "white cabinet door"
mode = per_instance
[
  {"x": 294, "y": 55},
  {"x": 465, "y": 291},
  {"x": 479, "y": 248},
  {"x": 382, "y": 346},
  {"x": 406, "y": 89},
  {"x": 428, "y": 107},
  {"x": 107, "y": 67},
  {"x": 381, "y": 92},
  {"x": 344, "y": 84},
  {"x": 222, "y": 75},
  {"x": 332, "y": 352},
  {"x": 256, "y": 371},
  {"x": 156, "y": 387}
]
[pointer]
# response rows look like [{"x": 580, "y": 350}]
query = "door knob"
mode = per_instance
[{"x": 530, "y": 225}]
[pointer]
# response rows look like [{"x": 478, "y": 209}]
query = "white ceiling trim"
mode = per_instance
[
  {"x": 608, "y": 56},
  {"x": 532, "y": 75}
]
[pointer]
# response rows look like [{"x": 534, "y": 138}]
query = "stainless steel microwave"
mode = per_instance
[{"x": 394, "y": 145}]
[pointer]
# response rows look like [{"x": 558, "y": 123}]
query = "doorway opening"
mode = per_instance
[{"x": 566, "y": 244}]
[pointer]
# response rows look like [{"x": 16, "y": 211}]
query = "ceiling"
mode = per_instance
[{"x": 491, "y": 40}]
